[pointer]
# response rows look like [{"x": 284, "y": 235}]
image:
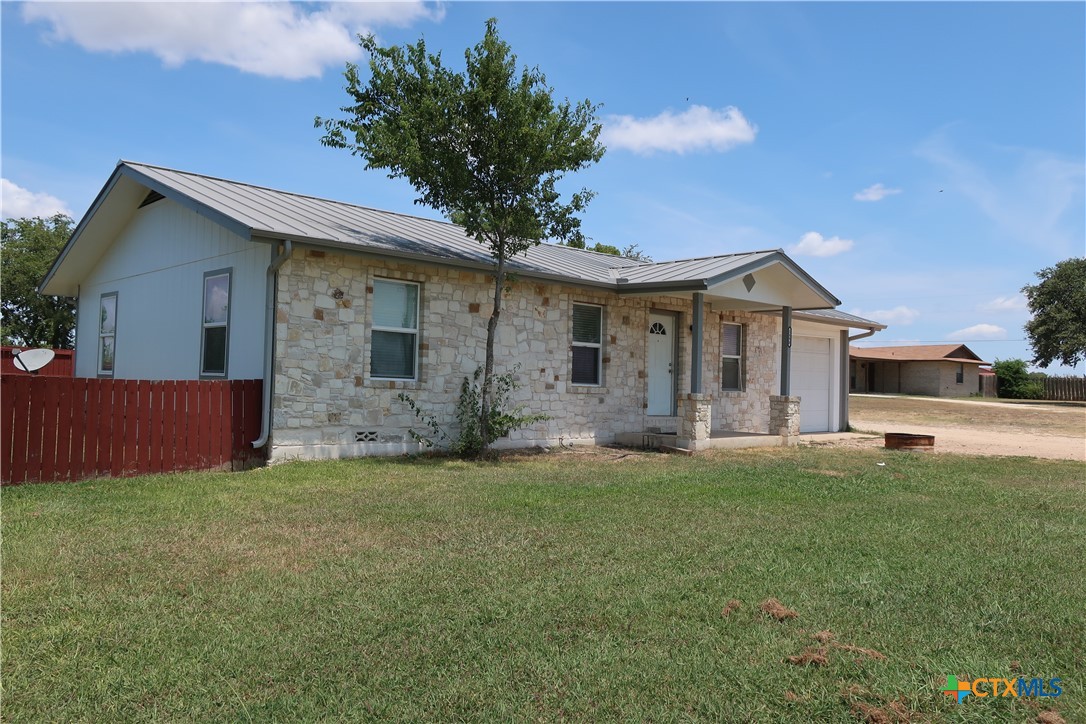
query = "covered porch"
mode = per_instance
[{"x": 739, "y": 304}]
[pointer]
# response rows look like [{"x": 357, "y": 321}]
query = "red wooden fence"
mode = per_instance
[
  {"x": 56, "y": 428},
  {"x": 63, "y": 364}
]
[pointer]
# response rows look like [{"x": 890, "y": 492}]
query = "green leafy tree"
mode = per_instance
[
  {"x": 27, "y": 250},
  {"x": 1015, "y": 382},
  {"x": 1057, "y": 331},
  {"x": 486, "y": 146},
  {"x": 630, "y": 252}
]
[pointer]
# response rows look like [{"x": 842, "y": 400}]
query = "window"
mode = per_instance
[
  {"x": 731, "y": 357},
  {"x": 959, "y": 377},
  {"x": 216, "y": 323},
  {"x": 107, "y": 333},
  {"x": 587, "y": 344},
  {"x": 395, "y": 340}
]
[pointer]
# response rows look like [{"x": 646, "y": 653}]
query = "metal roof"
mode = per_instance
[
  {"x": 833, "y": 316},
  {"x": 257, "y": 212},
  {"x": 281, "y": 214}
]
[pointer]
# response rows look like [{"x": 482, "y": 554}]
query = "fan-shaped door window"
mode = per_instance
[{"x": 657, "y": 328}]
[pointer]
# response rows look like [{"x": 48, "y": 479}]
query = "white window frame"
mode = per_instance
[
  {"x": 102, "y": 336},
  {"x": 741, "y": 357},
  {"x": 590, "y": 345},
  {"x": 374, "y": 327},
  {"x": 205, "y": 325}
]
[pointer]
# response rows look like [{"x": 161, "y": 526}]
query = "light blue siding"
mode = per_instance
[{"x": 156, "y": 266}]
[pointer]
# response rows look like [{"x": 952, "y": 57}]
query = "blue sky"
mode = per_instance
[{"x": 921, "y": 160}]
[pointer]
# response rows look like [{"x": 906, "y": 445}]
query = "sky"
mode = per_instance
[{"x": 920, "y": 160}]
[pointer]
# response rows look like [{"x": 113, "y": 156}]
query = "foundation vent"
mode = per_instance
[{"x": 365, "y": 436}]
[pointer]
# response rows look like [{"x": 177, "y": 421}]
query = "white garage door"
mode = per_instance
[{"x": 811, "y": 381}]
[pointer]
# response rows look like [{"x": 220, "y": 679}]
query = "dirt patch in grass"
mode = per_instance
[
  {"x": 775, "y": 609},
  {"x": 823, "y": 636},
  {"x": 873, "y": 709},
  {"x": 1050, "y": 717},
  {"x": 810, "y": 657},
  {"x": 731, "y": 607},
  {"x": 869, "y": 653}
]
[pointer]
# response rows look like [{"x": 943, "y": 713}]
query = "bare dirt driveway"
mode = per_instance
[{"x": 978, "y": 427}]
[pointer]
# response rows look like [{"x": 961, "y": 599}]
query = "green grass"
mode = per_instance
[{"x": 564, "y": 586}]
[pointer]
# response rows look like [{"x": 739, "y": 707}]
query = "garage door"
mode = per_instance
[{"x": 811, "y": 381}]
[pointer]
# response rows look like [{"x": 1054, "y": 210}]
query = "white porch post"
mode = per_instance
[{"x": 695, "y": 343}]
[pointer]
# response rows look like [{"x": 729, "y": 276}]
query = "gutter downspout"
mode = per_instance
[
  {"x": 269, "y": 338},
  {"x": 845, "y": 378}
]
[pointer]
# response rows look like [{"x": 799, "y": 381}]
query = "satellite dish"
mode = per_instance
[{"x": 32, "y": 360}]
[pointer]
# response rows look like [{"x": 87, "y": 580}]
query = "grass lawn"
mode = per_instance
[{"x": 583, "y": 586}]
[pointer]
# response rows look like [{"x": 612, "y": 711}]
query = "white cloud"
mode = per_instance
[
  {"x": 898, "y": 315},
  {"x": 1013, "y": 303},
  {"x": 1030, "y": 195},
  {"x": 978, "y": 331},
  {"x": 878, "y": 192},
  {"x": 18, "y": 203},
  {"x": 814, "y": 244},
  {"x": 696, "y": 129},
  {"x": 276, "y": 39}
]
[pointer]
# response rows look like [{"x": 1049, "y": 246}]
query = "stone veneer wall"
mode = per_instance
[
  {"x": 748, "y": 410},
  {"x": 326, "y": 405}
]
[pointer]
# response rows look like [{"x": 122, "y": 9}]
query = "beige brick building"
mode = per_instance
[{"x": 938, "y": 370}]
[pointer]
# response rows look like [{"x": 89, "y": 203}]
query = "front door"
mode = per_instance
[{"x": 661, "y": 364}]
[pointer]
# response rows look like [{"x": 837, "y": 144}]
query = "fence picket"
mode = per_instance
[
  {"x": 19, "y": 427},
  {"x": 64, "y": 444}
]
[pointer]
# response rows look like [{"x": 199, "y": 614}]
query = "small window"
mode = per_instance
[
  {"x": 216, "y": 324},
  {"x": 587, "y": 344},
  {"x": 731, "y": 357},
  {"x": 107, "y": 334},
  {"x": 959, "y": 377},
  {"x": 395, "y": 339}
]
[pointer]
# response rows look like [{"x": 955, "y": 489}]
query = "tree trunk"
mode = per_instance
[{"x": 488, "y": 368}]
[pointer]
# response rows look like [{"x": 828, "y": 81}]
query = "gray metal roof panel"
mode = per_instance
[
  {"x": 268, "y": 212},
  {"x": 834, "y": 315},
  {"x": 271, "y": 213}
]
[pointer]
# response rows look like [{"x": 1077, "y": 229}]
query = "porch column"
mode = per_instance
[
  {"x": 695, "y": 343},
  {"x": 786, "y": 350}
]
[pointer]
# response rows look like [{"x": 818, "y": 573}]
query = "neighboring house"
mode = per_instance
[
  {"x": 341, "y": 308},
  {"x": 939, "y": 370}
]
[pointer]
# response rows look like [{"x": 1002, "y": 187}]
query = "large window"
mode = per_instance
[
  {"x": 216, "y": 324},
  {"x": 107, "y": 333},
  {"x": 587, "y": 344},
  {"x": 959, "y": 376},
  {"x": 731, "y": 357},
  {"x": 395, "y": 342}
]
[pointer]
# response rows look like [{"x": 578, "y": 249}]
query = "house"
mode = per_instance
[
  {"x": 340, "y": 309},
  {"x": 939, "y": 370}
]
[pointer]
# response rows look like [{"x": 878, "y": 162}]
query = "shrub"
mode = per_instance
[
  {"x": 468, "y": 442},
  {"x": 1015, "y": 382}
]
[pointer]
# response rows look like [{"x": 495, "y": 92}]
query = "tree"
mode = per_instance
[
  {"x": 1057, "y": 331},
  {"x": 630, "y": 252},
  {"x": 27, "y": 250},
  {"x": 486, "y": 146}
]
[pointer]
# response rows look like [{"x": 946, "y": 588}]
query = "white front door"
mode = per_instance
[{"x": 661, "y": 364}]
